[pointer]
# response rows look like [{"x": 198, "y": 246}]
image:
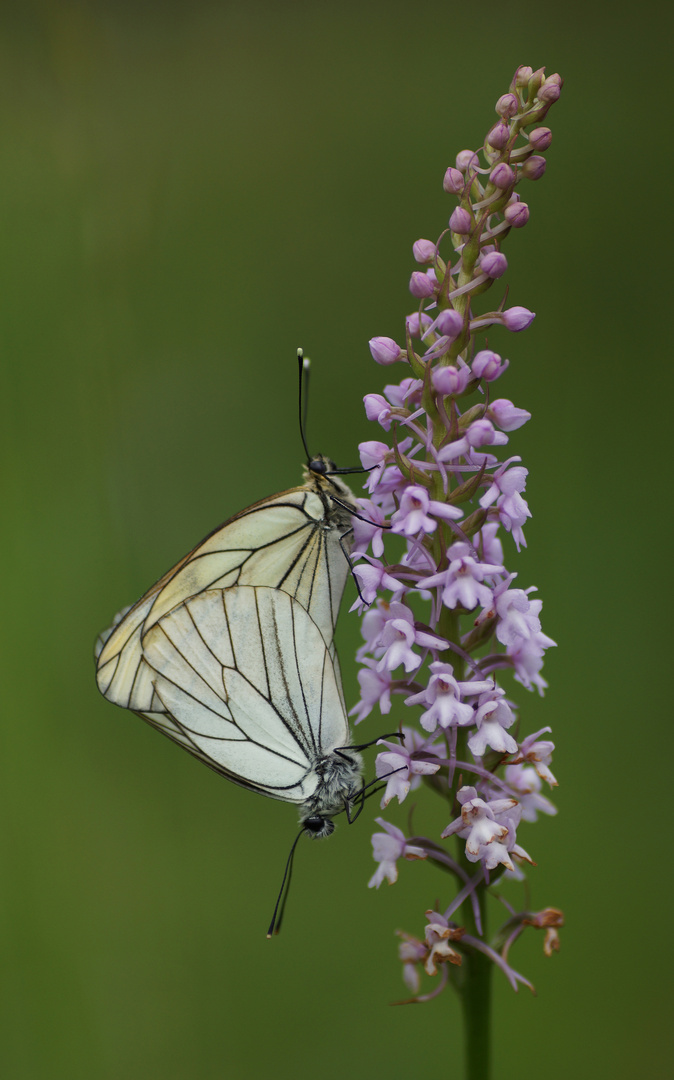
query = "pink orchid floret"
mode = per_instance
[
  {"x": 489, "y": 829},
  {"x": 488, "y": 543},
  {"x": 527, "y": 660},
  {"x": 438, "y": 935},
  {"x": 507, "y": 481},
  {"x": 463, "y": 580},
  {"x": 492, "y": 717},
  {"x": 368, "y": 528},
  {"x": 403, "y": 766},
  {"x": 513, "y": 608},
  {"x": 443, "y": 697},
  {"x": 411, "y": 952},
  {"x": 505, "y": 490},
  {"x": 372, "y": 576},
  {"x": 526, "y": 782},
  {"x": 387, "y": 848},
  {"x": 375, "y": 690},
  {"x": 416, "y": 508},
  {"x": 539, "y": 753},
  {"x": 374, "y": 456},
  {"x": 371, "y": 626},
  {"x": 398, "y": 637}
]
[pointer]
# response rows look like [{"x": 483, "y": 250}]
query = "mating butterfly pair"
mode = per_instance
[{"x": 231, "y": 653}]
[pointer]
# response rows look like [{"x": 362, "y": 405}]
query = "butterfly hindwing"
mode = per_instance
[{"x": 226, "y": 681}]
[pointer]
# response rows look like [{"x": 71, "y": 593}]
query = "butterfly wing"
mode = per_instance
[
  {"x": 293, "y": 542},
  {"x": 241, "y": 677}
]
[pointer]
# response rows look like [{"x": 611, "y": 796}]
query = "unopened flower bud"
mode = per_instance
[
  {"x": 416, "y": 325},
  {"x": 460, "y": 222},
  {"x": 450, "y": 380},
  {"x": 421, "y": 285},
  {"x": 480, "y": 433},
  {"x": 534, "y": 167},
  {"x": 517, "y": 318},
  {"x": 540, "y": 138},
  {"x": 488, "y": 365},
  {"x": 502, "y": 176},
  {"x": 499, "y": 135},
  {"x": 378, "y": 408},
  {"x": 507, "y": 106},
  {"x": 551, "y": 89},
  {"x": 536, "y": 81},
  {"x": 508, "y": 418},
  {"x": 466, "y": 159},
  {"x": 453, "y": 181},
  {"x": 516, "y": 214},
  {"x": 385, "y": 350},
  {"x": 493, "y": 263},
  {"x": 449, "y": 323},
  {"x": 423, "y": 251},
  {"x": 522, "y": 75}
]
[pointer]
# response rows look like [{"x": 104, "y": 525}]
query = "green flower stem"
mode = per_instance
[
  {"x": 473, "y": 981},
  {"x": 476, "y": 997}
]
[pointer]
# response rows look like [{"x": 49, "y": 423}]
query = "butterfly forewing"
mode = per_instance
[{"x": 296, "y": 542}]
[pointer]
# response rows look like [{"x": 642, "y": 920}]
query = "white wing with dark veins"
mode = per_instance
[
  {"x": 294, "y": 542},
  {"x": 242, "y": 678}
]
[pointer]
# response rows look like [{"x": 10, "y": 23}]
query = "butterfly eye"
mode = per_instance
[
  {"x": 319, "y": 465},
  {"x": 318, "y": 826}
]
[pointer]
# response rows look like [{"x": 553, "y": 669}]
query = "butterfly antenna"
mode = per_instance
[
  {"x": 351, "y": 469},
  {"x": 373, "y": 742},
  {"x": 303, "y": 397},
  {"x": 304, "y": 365},
  {"x": 277, "y": 917}
]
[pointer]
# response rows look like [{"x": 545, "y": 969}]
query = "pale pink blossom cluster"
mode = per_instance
[{"x": 444, "y": 618}]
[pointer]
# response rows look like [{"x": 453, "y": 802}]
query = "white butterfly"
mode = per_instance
[{"x": 231, "y": 653}]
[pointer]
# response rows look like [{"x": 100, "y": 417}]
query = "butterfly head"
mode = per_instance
[
  {"x": 319, "y": 466},
  {"x": 321, "y": 473},
  {"x": 318, "y": 827}
]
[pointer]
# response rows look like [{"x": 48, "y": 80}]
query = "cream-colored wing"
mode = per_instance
[
  {"x": 296, "y": 542},
  {"x": 241, "y": 677}
]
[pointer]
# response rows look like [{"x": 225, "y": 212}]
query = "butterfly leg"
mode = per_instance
[
  {"x": 361, "y": 806},
  {"x": 347, "y": 556}
]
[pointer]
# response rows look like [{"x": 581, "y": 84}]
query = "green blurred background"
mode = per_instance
[{"x": 188, "y": 193}]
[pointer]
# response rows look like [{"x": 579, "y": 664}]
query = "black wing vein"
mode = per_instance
[
  {"x": 309, "y": 728},
  {"x": 276, "y": 638},
  {"x": 222, "y": 770}
]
